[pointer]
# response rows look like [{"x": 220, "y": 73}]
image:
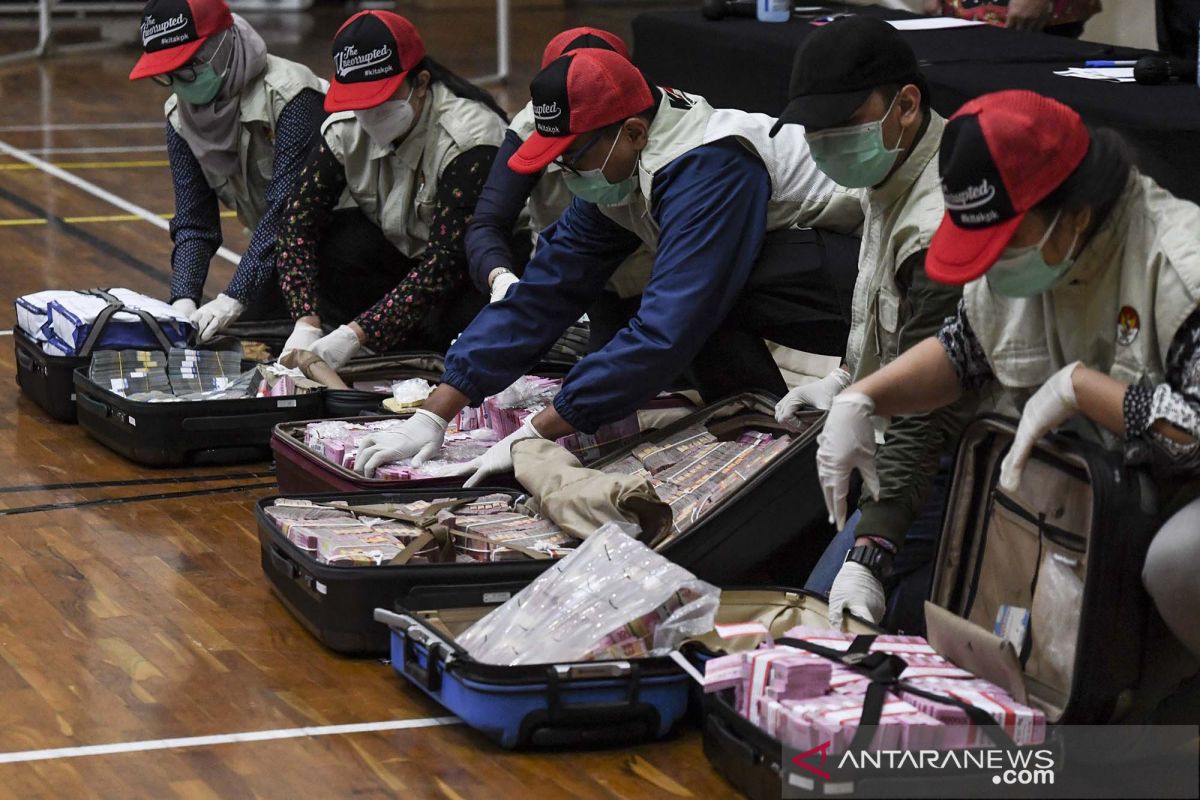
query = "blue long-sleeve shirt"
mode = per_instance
[
  {"x": 489, "y": 235},
  {"x": 196, "y": 226},
  {"x": 710, "y": 205}
]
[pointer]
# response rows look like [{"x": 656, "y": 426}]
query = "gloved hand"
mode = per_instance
[
  {"x": 336, "y": 348},
  {"x": 846, "y": 443},
  {"x": 212, "y": 317},
  {"x": 857, "y": 590},
  {"x": 818, "y": 394},
  {"x": 303, "y": 337},
  {"x": 1050, "y": 406},
  {"x": 501, "y": 284},
  {"x": 185, "y": 306},
  {"x": 498, "y": 458},
  {"x": 420, "y": 437}
]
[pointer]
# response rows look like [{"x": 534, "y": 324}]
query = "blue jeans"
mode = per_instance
[{"x": 912, "y": 570}]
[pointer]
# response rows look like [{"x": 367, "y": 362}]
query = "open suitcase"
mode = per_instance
[
  {"x": 370, "y": 380},
  {"x": 195, "y": 432}
]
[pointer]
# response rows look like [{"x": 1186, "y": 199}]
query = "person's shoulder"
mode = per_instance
[{"x": 469, "y": 123}]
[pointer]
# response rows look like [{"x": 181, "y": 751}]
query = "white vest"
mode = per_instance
[
  {"x": 901, "y": 217},
  {"x": 550, "y": 197},
  {"x": 259, "y": 106},
  {"x": 1117, "y": 310},
  {"x": 801, "y": 195},
  {"x": 396, "y": 189}
]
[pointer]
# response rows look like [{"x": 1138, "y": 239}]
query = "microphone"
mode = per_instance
[
  {"x": 1153, "y": 70},
  {"x": 719, "y": 9}
]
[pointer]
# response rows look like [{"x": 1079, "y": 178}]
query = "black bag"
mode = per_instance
[{"x": 383, "y": 369}]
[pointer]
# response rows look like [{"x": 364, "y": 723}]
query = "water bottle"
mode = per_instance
[{"x": 774, "y": 10}]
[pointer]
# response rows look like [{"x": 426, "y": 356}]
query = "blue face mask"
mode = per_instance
[
  {"x": 1023, "y": 272},
  {"x": 592, "y": 186},
  {"x": 855, "y": 157}
]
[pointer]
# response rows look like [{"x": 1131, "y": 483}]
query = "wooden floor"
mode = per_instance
[{"x": 129, "y": 619}]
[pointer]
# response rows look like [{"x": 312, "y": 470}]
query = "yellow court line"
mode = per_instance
[
  {"x": 109, "y": 218},
  {"x": 89, "y": 165}
]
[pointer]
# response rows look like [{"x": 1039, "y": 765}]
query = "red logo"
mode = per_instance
[
  {"x": 1128, "y": 325},
  {"x": 823, "y": 749}
]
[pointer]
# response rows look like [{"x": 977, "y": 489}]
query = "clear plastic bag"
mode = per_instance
[
  {"x": 611, "y": 598},
  {"x": 412, "y": 391}
]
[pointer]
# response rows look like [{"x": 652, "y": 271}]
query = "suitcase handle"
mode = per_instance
[
  {"x": 564, "y": 723},
  {"x": 602, "y": 669},
  {"x": 95, "y": 406},
  {"x": 727, "y": 741},
  {"x": 233, "y": 422},
  {"x": 415, "y": 633},
  {"x": 25, "y": 361},
  {"x": 284, "y": 563}
]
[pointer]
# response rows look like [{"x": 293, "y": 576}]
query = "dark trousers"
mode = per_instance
[
  {"x": 1178, "y": 27},
  {"x": 798, "y": 295},
  {"x": 358, "y": 266}
]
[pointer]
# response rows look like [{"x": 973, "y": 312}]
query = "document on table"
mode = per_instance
[
  {"x": 931, "y": 23},
  {"x": 1115, "y": 74}
]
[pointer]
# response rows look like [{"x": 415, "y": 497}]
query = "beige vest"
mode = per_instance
[
  {"x": 901, "y": 217},
  {"x": 260, "y": 104},
  {"x": 1117, "y": 310},
  {"x": 550, "y": 197},
  {"x": 801, "y": 195},
  {"x": 396, "y": 189}
]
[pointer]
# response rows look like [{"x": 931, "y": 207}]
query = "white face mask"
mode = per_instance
[{"x": 388, "y": 121}]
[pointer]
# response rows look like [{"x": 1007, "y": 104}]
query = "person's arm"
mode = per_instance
[
  {"x": 299, "y": 120},
  {"x": 309, "y": 209},
  {"x": 908, "y": 459},
  {"x": 575, "y": 257},
  {"x": 501, "y": 200},
  {"x": 442, "y": 269},
  {"x": 710, "y": 205},
  {"x": 196, "y": 227}
]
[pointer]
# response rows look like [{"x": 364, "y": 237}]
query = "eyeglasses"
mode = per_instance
[
  {"x": 187, "y": 73},
  {"x": 569, "y": 166}
]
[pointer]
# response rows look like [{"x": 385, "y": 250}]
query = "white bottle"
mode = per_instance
[{"x": 774, "y": 10}]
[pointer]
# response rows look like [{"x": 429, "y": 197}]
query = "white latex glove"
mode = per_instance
[
  {"x": 303, "y": 337},
  {"x": 1050, "y": 406},
  {"x": 501, "y": 284},
  {"x": 212, "y": 317},
  {"x": 185, "y": 306},
  {"x": 498, "y": 458},
  {"x": 336, "y": 348},
  {"x": 420, "y": 437},
  {"x": 846, "y": 443},
  {"x": 856, "y": 590},
  {"x": 818, "y": 394}
]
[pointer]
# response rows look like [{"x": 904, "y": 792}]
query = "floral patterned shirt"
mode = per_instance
[{"x": 995, "y": 12}]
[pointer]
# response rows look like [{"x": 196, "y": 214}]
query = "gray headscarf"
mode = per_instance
[{"x": 212, "y": 130}]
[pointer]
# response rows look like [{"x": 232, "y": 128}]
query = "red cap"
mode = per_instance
[
  {"x": 583, "y": 91},
  {"x": 582, "y": 38},
  {"x": 174, "y": 30},
  {"x": 1001, "y": 155},
  {"x": 372, "y": 55}
]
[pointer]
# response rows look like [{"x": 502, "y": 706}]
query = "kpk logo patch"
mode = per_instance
[{"x": 1129, "y": 324}]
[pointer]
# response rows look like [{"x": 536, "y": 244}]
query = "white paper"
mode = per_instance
[
  {"x": 932, "y": 23},
  {"x": 1114, "y": 74}
]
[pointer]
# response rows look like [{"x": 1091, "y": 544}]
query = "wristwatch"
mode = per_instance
[{"x": 874, "y": 558}]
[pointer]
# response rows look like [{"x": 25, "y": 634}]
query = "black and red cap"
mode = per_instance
[
  {"x": 583, "y": 91},
  {"x": 174, "y": 30},
  {"x": 581, "y": 39},
  {"x": 373, "y": 52},
  {"x": 1001, "y": 155}
]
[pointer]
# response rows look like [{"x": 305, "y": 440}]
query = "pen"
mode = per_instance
[{"x": 1109, "y": 63}]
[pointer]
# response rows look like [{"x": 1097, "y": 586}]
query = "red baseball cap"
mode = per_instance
[
  {"x": 174, "y": 30},
  {"x": 583, "y": 91},
  {"x": 582, "y": 38},
  {"x": 1001, "y": 155},
  {"x": 373, "y": 53}
]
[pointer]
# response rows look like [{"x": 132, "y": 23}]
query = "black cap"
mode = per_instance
[{"x": 839, "y": 65}]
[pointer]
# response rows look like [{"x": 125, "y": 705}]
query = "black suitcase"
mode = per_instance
[
  {"x": 382, "y": 370},
  {"x": 336, "y": 604},
  {"x": 195, "y": 432},
  {"x": 49, "y": 380},
  {"x": 1067, "y": 546}
]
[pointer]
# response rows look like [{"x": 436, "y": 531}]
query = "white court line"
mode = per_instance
[
  {"x": 92, "y": 126},
  {"x": 103, "y": 194},
  {"x": 222, "y": 738},
  {"x": 137, "y": 148}
]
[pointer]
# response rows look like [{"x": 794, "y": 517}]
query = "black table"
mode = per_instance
[{"x": 746, "y": 64}]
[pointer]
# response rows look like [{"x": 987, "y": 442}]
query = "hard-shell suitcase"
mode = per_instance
[
  {"x": 336, "y": 603},
  {"x": 196, "y": 432},
  {"x": 49, "y": 380},
  {"x": 1067, "y": 547}
]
